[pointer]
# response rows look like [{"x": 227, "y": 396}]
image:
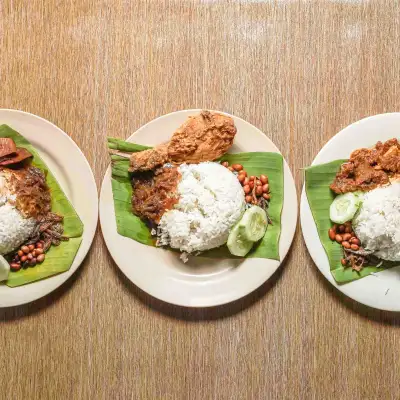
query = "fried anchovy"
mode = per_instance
[
  {"x": 55, "y": 235},
  {"x": 361, "y": 252}
]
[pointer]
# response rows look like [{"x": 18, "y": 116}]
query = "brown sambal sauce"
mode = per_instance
[
  {"x": 33, "y": 194},
  {"x": 155, "y": 192},
  {"x": 368, "y": 168}
]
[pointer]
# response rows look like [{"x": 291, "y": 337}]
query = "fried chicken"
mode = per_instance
[
  {"x": 149, "y": 159},
  {"x": 204, "y": 137}
]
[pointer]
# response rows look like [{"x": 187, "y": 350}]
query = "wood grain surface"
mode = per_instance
[{"x": 298, "y": 70}]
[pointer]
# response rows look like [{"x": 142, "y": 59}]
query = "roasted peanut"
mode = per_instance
[
  {"x": 332, "y": 234},
  {"x": 346, "y": 244},
  {"x": 264, "y": 179},
  {"x": 354, "y": 247},
  {"x": 339, "y": 238},
  {"x": 247, "y": 189},
  {"x": 15, "y": 266},
  {"x": 237, "y": 167},
  {"x": 266, "y": 196},
  {"x": 346, "y": 237}
]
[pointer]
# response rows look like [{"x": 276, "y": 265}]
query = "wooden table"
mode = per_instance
[{"x": 298, "y": 70}]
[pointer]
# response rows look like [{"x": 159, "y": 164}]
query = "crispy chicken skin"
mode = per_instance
[
  {"x": 369, "y": 168},
  {"x": 7, "y": 147},
  {"x": 11, "y": 154},
  {"x": 204, "y": 137}
]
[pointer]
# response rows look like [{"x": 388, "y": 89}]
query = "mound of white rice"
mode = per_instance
[
  {"x": 14, "y": 228},
  {"x": 211, "y": 202},
  {"x": 377, "y": 223}
]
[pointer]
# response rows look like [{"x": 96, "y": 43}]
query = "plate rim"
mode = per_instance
[
  {"x": 305, "y": 211},
  {"x": 106, "y": 181},
  {"x": 89, "y": 229}
]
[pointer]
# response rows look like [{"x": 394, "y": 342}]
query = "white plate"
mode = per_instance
[
  {"x": 201, "y": 282},
  {"x": 72, "y": 171},
  {"x": 383, "y": 289}
]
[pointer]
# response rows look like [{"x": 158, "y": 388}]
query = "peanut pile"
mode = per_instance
[
  {"x": 345, "y": 236},
  {"x": 254, "y": 187},
  {"x": 28, "y": 256}
]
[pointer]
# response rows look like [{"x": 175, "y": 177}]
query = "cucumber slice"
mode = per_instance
[
  {"x": 237, "y": 244},
  {"x": 253, "y": 224},
  {"x": 4, "y": 269},
  {"x": 359, "y": 194},
  {"x": 344, "y": 207}
]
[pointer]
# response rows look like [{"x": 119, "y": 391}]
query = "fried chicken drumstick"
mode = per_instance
[{"x": 204, "y": 137}]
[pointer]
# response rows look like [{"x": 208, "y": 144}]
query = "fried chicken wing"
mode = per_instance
[
  {"x": 149, "y": 159},
  {"x": 204, "y": 137}
]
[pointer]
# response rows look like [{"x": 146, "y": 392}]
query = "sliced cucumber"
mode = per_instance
[
  {"x": 248, "y": 230},
  {"x": 4, "y": 269},
  {"x": 237, "y": 244},
  {"x": 253, "y": 224},
  {"x": 359, "y": 194},
  {"x": 344, "y": 207}
]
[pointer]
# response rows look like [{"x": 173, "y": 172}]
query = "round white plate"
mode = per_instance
[
  {"x": 72, "y": 171},
  {"x": 382, "y": 290},
  {"x": 201, "y": 282}
]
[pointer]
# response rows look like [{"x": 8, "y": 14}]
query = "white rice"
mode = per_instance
[
  {"x": 377, "y": 223},
  {"x": 14, "y": 228},
  {"x": 211, "y": 202}
]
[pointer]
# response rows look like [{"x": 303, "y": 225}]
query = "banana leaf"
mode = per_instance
[
  {"x": 257, "y": 163},
  {"x": 320, "y": 196},
  {"x": 58, "y": 259}
]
